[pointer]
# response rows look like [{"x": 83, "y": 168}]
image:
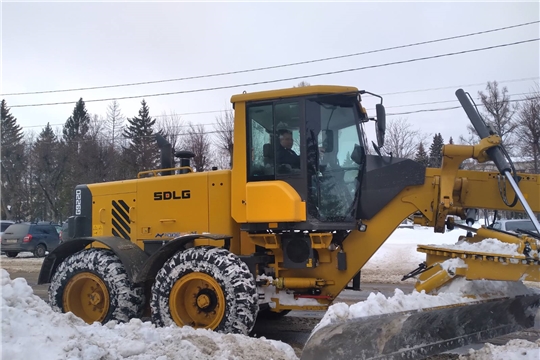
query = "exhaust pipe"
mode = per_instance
[{"x": 166, "y": 154}]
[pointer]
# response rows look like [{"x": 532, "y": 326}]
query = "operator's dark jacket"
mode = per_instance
[{"x": 284, "y": 156}]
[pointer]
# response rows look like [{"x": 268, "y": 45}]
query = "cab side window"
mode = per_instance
[
  {"x": 260, "y": 126},
  {"x": 287, "y": 147},
  {"x": 273, "y": 139}
]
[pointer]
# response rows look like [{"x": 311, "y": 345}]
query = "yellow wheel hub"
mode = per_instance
[
  {"x": 86, "y": 296},
  {"x": 197, "y": 300}
]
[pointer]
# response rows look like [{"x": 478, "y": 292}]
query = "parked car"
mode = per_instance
[
  {"x": 37, "y": 238},
  {"x": 4, "y": 224},
  {"x": 513, "y": 225}
]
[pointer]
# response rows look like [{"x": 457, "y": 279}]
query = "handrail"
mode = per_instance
[{"x": 154, "y": 172}]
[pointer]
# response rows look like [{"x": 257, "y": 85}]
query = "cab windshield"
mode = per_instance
[{"x": 334, "y": 130}]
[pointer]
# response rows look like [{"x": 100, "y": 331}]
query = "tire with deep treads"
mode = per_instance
[
  {"x": 236, "y": 283},
  {"x": 126, "y": 300}
]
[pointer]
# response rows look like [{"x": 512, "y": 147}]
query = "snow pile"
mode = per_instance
[
  {"x": 488, "y": 288},
  {"x": 31, "y": 328},
  {"x": 378, "y": 304},
  {"x": 455, "y": 292},
  {"x": 513, "y": 350},
  {"x": 492, "y": 246}
]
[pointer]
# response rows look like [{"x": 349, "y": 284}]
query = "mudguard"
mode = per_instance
[
  {"x": 419, "y": 334},
  {"x": 132, "y": 256},
  {"x": 156, "y": 261}
]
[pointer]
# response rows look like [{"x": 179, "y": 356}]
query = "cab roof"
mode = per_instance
[{"x": 291, "y": 92}]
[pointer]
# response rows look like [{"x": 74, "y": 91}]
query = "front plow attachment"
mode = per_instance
[{"x": 419, "y": 334}]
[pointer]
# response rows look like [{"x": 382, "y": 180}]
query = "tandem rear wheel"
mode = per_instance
[{"x": 205, "y": 287}]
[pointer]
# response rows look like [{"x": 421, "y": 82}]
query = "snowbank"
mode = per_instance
[
  {"x": 31, "y": 329},
  {"x": 513, "y": 350}
]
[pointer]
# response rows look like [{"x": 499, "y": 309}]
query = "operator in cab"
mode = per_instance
[{"x": 284, "y": 153}]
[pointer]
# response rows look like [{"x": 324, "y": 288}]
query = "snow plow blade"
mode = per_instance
[{"x": 419, "y": 334}]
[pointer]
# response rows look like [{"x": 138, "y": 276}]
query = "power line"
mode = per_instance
[
  {"x": 452, "y": 87},
  {"x": 450, "y": 108},
  {"x": 123, "y": 137},
  {"x": 291, "y": 78},
  {"x": 441, "y": 102},
  {"x": 387, "y": 107},
  {"x": 388, "y": 114},
  {"x": 278, "y": 66}
]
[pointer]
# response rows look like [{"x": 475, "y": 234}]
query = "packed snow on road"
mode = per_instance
[{"x": 30, "y": 328}]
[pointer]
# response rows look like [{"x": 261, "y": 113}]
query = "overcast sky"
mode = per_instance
[{"x": 54, "y": 46}]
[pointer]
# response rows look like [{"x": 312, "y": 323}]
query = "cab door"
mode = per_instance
[{"x": 276, "y": 164}]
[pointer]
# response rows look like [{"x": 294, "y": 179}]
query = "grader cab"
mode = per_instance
[{"x": 302, "y": 210}]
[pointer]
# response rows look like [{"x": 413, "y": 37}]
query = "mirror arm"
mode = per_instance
[{"x": 367, "y": 92}]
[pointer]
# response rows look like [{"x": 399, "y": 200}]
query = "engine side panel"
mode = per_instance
[{"x": 161, "y": 208}]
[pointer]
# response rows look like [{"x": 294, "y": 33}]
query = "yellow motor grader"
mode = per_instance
[{"x": 302, "y": 210}]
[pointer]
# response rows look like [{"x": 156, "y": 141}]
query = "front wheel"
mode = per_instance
[
  {"x": 93, "y": 285},
  {"x": 11, "y": 254},
  {"x": 208, "y": 288}
]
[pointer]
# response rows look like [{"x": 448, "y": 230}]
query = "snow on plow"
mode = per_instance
[{"x": 417, "y": 334}]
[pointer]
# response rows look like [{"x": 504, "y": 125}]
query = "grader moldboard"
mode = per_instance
[{"x": 217, "y": 249}]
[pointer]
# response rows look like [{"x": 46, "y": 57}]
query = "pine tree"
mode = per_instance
[
  {"x": 348, "y": 162},
  {"x": 141, "y": 153},
  {"x": 435, "y": 151},
  {"x": 451, "y": 141},
  {"x": 49, "y": 164},
  {"x": 13, "y": 163},
  {"x": 421, "y": 155},
  {"x": 77, "y": 124}
]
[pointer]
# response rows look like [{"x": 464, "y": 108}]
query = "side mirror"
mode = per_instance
[
  {"x": 328, "y": 140},
  {"x": 381, "y": 124},
  {"x": 359, "y": 154}
]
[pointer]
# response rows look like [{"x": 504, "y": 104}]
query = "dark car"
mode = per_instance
[{"x": 37, "y": 238}]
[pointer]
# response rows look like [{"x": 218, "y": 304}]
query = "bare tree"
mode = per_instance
[
  {"x": 114, "y": 123},
  {"x": 225, "y": 134},
  {"x": 528, "y": 128},
  {"x": 198, "y": 142},
  {"x": 302, "y": 84},
  {"x": 402, "y": 140},
  {"x": 97, "y": 127},
  {"x": 172, "y": 128},
  {"x": 498, "y": 112},
  {"x": 220, "y": 158}
]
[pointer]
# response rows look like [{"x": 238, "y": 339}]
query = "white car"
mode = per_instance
[
  {"x": 4, "y": 225},
  {"x": 514, "y": 224}
]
